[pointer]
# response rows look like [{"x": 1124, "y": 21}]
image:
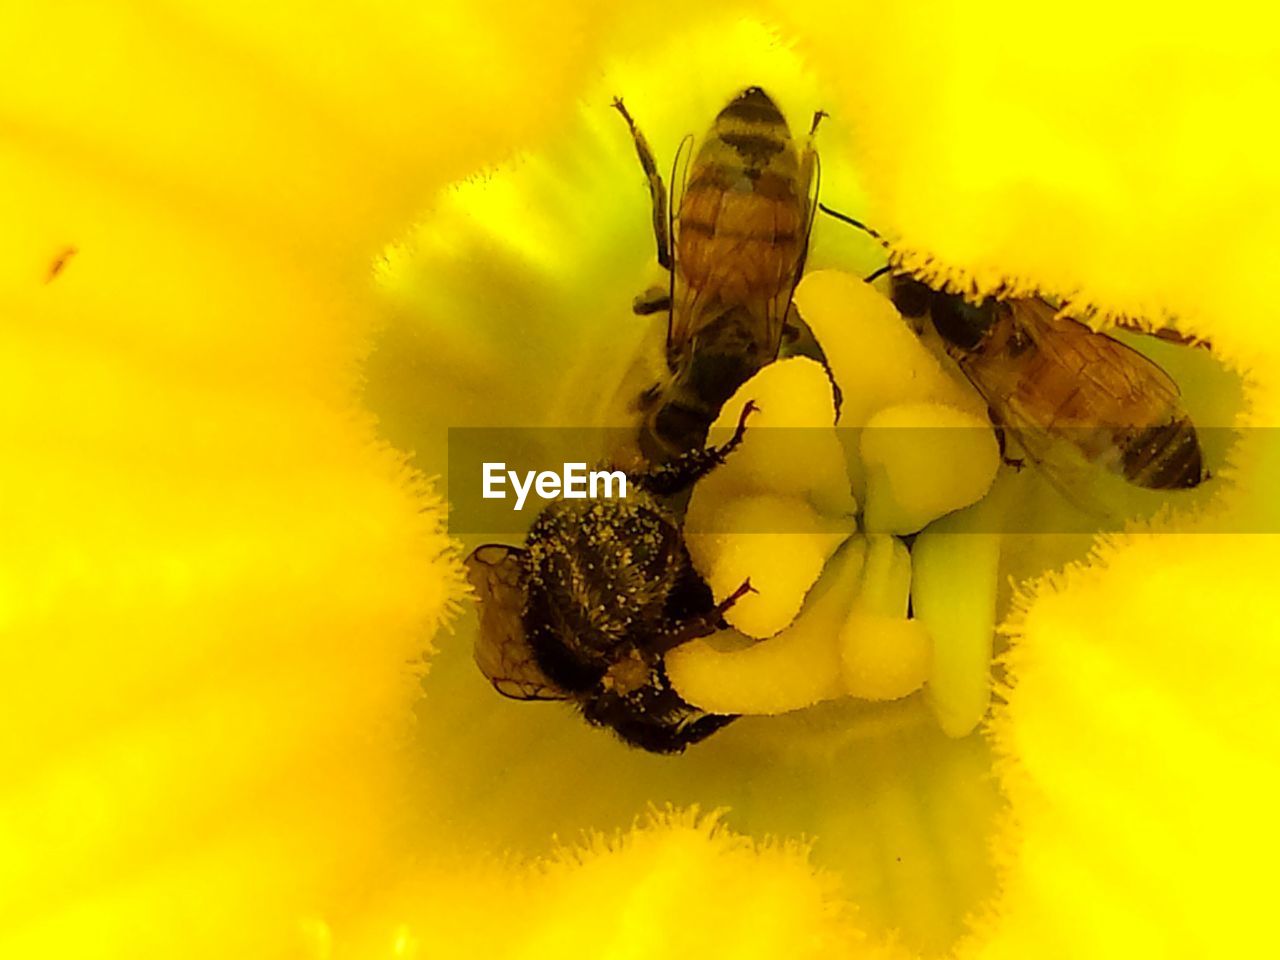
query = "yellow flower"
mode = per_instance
[{"x": 217, "y": 572}]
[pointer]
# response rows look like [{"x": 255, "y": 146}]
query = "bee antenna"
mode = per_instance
[
  {"x": 852, "y": 222},
  {"x": 877, "y": 274}
]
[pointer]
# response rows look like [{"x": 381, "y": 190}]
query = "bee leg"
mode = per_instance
[
  {"x": 647, "y": 399},
  {"x": 703, "y": 625},
  {"x": 844, "y": 217},
  {"x": 653, "y": 300},
  {"x": 657, "y": 191},
  {"x": 688, "y": 468},
  {"x": 724, "y": 605},
  {"x": 913, "y": 299},
  {"x": 1001, "y": 439}
]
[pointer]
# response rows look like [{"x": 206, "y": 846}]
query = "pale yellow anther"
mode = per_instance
[
  {"x": 885, "y": 588},
  {"x": 781, "y": 505},
  {"x": 873, "y": 353},
  {"x": 798, "y": 668},
  {"x": 922, "y": 461},
  {"x": 780, "y": 544},
  {"x": 884, "y": 658},
  {"x": 883, "y": 655},
  {"x": 953, "y": 593},
  {"x": 790, "y": 446}
]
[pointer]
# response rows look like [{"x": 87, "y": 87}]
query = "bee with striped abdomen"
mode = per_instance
[
  {"x": 1055, "y": 384},
  {"x": 734, "y": 243},
  {"x": 1052, "y": 380}
]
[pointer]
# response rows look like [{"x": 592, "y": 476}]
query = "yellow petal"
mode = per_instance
[
  {"x": 215, "y": 575},
  {"x": 216, "y": 578}
]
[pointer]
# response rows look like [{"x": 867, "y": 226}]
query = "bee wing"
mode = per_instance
[
  {"x": 700, "y": 305},
  {"x": 679, "y": 180},
  {"x": 1065, "y": 471},
  {"x": 779, "y": 307},
  {"x": 1117, "y": 370},
  {"x": 1071, "y": 352},
  {"x": 502, "y": 650},
  {"x": 814, "y": 185}
]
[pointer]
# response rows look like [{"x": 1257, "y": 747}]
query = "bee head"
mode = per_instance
[
  {"x": 911, "y": 296},
  {"x": 962, "y": 323}
]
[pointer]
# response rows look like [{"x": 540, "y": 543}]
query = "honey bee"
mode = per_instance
[
  {"x": 600, "y": 592},
  {"x": 1054, "y": 383},
  {"x": 734, "y": 245}
]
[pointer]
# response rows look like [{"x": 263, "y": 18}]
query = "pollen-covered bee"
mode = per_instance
[
  {"x": 1055, "y": 384},
  {"x": 599, "y": 593},
  {"x": 734, "y": 243}
]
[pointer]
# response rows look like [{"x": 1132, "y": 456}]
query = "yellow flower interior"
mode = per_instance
[
  {"x": 217, "y": 580},
  {"x": 510, "y": 305}
]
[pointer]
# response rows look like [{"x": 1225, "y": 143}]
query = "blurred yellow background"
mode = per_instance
[{"x": 218, "y": 578}]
